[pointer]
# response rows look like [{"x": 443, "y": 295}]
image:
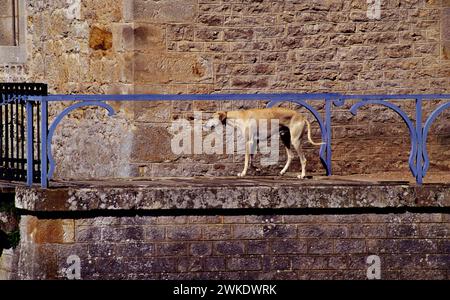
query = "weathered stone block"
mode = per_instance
[
  {"x": 168, "y": 249},
  {"x": 155, "y": 233},
  {"x": 152, "y": 143},
  {"x": 257, "y": 247},
  {"x": 189, "y": 232},
  {"x": 215, "y": 264},
  {"x": 279, "y": 231},
  {"x": 229, "y": 248},
  {"x": 320, "y": 246},
  {"x": 101, "y": 13},
  {"x": 300, "y": 262},
  {"x": 166, "y": 68},
  {"x": 446, "y": 50},
  {"x": 6, "y": 6},
  {"x": 200, "y": 249},
  {"x": 283, "y": 246},
  {"x": 190, "y": 264},
  {"x": 100, "y": 39},
  {"x": 350, "y": 246},
  {"x": 6, "y": 36},
  {"x": 418, "y": 246},
  {"x": 250, "y": 263},
  {"x": 398, "y": 51},
  {"x": 125, "y": 234},
  {"x": 138, "y": 249},
  {"x": 216, "y": 232},
  {"x": 43, "y": 231},
  {"x": 178, "y": 11}
]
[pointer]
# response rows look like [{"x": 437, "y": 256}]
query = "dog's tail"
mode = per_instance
[{"x": 309, "y": 135}]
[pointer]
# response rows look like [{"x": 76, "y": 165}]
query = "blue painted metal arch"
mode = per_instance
[
  {"x": 406, "y": 119},
  {"x": 426, "y": 129},
  {"x": 56, "y": 122}
]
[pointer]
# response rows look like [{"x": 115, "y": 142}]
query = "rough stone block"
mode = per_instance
[
  {"x": 189, "y": 232},
  {"x": 166, "y": 68},
  {"x": 190, "y": 264},
  {"x": 418, "y": 246},
  {"x": 6, "y": 37},
  {"x": 214, "y": 264},
  {"x": 151, "y": 143},
  {"x": 216, "y": 232},
  {"x": 320, "y": 246},
  {"x": 125, "y": 234},
  {"x": 446, "y": 50},
  {"x": 229, "y": 248},
  {"x": 155, "y": 233},
  {"x": 97, "y": 11},
  {"x": 100, "y": 39},
  {"x": 200, "y": 249},
  {"x": 169, "y": 249},
  {"x": 51, "y": 231},
  {"x": 247, "y": 263},
  {"x": 350, "y": 246},
  {"x": 309, "y": 262},
  {"x": 284, "y": 246},
  {"x": 257, "y": 247},
  {"x": 279, "y": 231},
  {"x": 248, "y": 231},
  {"x": 165, "y": 11},
  {"x": 6, "y": 6}
]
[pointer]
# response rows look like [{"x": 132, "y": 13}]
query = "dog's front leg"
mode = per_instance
[{"x": 248, "y": 146}]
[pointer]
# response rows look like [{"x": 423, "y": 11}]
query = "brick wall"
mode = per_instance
[
  {"x": 203, "y": 46},
  {"x": 245, "y": 246}
]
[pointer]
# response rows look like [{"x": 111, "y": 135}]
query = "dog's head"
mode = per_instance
[{"x": 218, "y": 118}]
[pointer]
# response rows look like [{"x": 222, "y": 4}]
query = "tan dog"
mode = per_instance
[{"x": 292, "y": 126}]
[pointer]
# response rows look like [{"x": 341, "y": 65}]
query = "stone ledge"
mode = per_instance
[{"x": 229, "y": 193}]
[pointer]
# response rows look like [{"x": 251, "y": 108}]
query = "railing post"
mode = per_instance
[
  {"x": 30, "y": 156},
  {"x": 44, "y": 132},
  {"x": 328, "y": 103},
  {"x": 419, "y": 132}
]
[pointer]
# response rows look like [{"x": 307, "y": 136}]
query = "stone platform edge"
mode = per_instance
[{"x": 232, "y": 197}]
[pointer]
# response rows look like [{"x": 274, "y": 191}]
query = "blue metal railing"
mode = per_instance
[{"x": 418, "y": 158}]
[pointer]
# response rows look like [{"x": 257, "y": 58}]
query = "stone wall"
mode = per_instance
[
  {"x": 217, "y": 229},
  {"x": 243, "y": 246},
  {"x": 208, "y": 46}
]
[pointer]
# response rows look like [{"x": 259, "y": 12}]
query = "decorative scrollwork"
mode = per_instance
[
  {"x": 59, "y": 118},
  {"x": 7, "y": 99},
  {"x": 339, "y": 102},
  {"x": 426, "y": 128},
  {"x": 405, "y": 118}
]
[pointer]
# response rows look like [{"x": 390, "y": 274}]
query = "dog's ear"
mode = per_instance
[{"x": 222, "y": 116}]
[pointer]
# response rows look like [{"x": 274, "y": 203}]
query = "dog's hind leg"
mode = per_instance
[
  {"x": 285, "y": 136},
  {"x": 296, "y": 134},
  {"x": 290, "y": 155}
]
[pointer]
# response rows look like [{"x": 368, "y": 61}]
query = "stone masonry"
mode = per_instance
[
  {"x": 223, "y": 229},
  {"x": 293, "y": 246},
  {"x": 209, "y": 46}
]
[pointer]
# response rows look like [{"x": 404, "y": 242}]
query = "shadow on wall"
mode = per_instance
[{"x": 9, "y": 223}]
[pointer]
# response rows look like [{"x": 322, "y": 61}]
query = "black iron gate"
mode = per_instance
[{"x": 14, "y": 122}]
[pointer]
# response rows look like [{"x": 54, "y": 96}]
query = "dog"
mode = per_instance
[{"x": 291, "y": 129}]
